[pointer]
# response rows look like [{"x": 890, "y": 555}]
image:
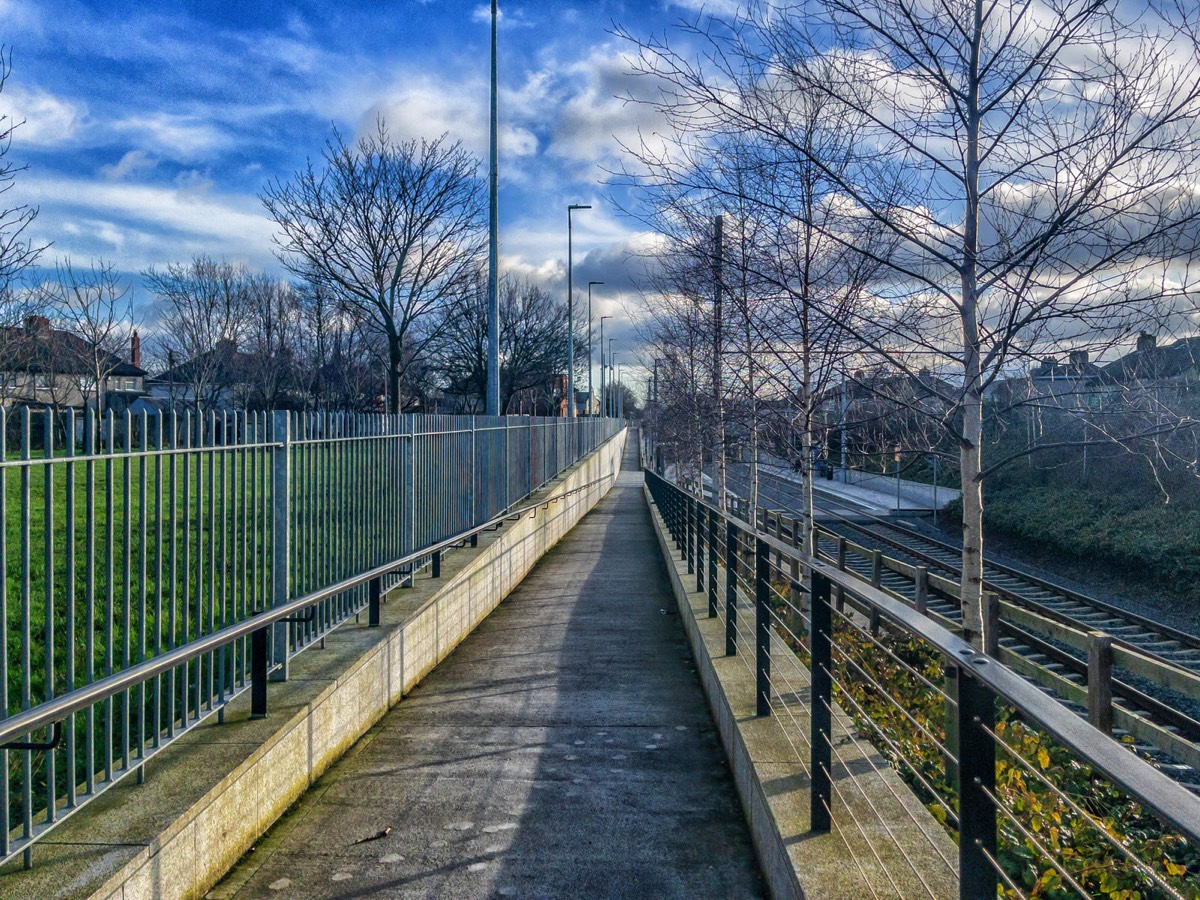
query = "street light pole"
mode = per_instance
[
  {"x": 492, "y": 404},
  {"x": 603, "y": 396},
  {"x": 591, "y": 396},
  {"x": 571, "y": 315}
]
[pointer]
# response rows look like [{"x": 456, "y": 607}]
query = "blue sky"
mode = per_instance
[{"x": 150, "y": 129}]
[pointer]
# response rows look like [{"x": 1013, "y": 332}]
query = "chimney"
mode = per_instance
[
  {"x": 38, "y": 325},
  {"x": 1146, "y": 342},
  {"x": 135, "y": 349},
  {"x": 1078, "y": 360}
]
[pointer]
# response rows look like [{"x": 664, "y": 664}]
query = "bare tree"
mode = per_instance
[
  {"x": 96, "y": 308},
  {"x": 1044, "y": 151},
  {"x": 17, "y": 250},
  {"x": 393, "y": 228},
  {"x": 533, "y": 340},
  {"x": 272, "y": 339},
  {"x": 203, "y": 317}
]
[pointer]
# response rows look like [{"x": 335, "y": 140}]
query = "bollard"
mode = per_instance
[
  {"x": 821, "y": 707},
  {"x": 762, "y": 626},
  {"x": 1099, "y": 689}
]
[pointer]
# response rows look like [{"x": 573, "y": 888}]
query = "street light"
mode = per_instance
[
  {"x": 603, "y": 411},
  {"x": 570, "y": 315},
  {"x": 591, "y": 396},
  {"x": 492, "y": 401}
]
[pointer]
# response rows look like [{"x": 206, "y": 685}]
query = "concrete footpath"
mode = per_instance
[{"x": 563, "y": 750}]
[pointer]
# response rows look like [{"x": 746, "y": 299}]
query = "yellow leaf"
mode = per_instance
[
  {"x": 1043, "y": 758},
  {"x": 1174, "y": 868}
]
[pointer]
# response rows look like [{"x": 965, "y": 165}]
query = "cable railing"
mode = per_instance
[
  {"x": 157, "y": 566},
  {"x": 1040, "y": 802}
]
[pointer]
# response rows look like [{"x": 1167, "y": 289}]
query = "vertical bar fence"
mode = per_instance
[{"x": 129, "y": 536}]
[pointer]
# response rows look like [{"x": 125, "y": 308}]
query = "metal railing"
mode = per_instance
[
  {"x": 158, "y": 566},
  {"x": 1040, "y": 801}
]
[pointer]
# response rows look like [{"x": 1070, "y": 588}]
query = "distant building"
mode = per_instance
[{"x": 41, "y": 365}]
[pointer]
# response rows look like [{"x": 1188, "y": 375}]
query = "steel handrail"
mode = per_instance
[
  {"x": 58, "y": 709},
  {"x": 1169, "y": 800}
]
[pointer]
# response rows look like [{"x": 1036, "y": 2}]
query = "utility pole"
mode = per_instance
[
  {"x": 719, "y": 449},
  {"x": 570, "y": 314},
  {"x": 603, "y": 396},
  {"x": 591, "y": 396},
  {"x": 492, "y": 404}
]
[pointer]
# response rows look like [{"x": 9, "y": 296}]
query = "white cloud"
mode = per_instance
[
  {"x": 183, "y": 137},
  {"x": 49, "y": 120},
  {"x": 421, "y": 107},
  {"x": 151, "y": 224},
  {"x": 135, "y": 162}
]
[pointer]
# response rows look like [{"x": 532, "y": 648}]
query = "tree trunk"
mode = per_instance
[
  {"x": 970, "y": 444},
  {"x": 394, "y": 405}
]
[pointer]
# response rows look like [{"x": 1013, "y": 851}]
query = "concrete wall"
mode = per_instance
[
  {"x": 914, "y": 491},
  {"x": 884, "y": 843},
  {"x": 211, "y": 795}
]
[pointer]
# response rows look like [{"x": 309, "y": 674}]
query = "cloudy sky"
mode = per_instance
[{"x": 151, "y": 128}]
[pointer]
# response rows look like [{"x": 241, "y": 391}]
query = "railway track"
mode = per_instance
[{"x": 1045, "y": 628}]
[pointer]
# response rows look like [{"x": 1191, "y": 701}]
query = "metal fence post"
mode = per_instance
[
  {"x": 877, "y": 583},
  {"x": 821, "y": 705},
  {"x": 689, "y": 546},
  {"x": 374, "y": 595},
  {"x": 950, "y": 690},
  {"x": 281, "y": 453},
  {"x": 700, "y": 517},
  {"x": 921, "y": 579},
  {"x": 977, "y": 781},
  {"x": 712, "y": 564},
  {"x": 258, "y": 674},
  {"x": 731, "y": 563},
  {"x": 841, "y": 564},
  {"x": 1099, "y": 688},
  {"x": 762, "y": 626}
]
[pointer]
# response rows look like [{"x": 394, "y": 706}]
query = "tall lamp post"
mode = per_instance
[
  {"x": 492, "y": 404},
  {"x": 570, "y": 314},
  {"x": 591, "y": 396},
  {"x": 603, "y": 409}
]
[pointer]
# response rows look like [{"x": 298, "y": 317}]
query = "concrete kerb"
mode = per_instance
[
  {"x": 209, "y": 796},
  {"x": 884, "y": 842}
]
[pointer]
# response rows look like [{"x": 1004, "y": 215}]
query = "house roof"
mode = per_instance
[
  {"x": 1176, "y": 360},
  {"x": 229, "y": 366},
  {"x": 42, "y": 350}
]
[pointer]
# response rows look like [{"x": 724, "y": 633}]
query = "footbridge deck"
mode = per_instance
[{"x": 564, "y": 749}]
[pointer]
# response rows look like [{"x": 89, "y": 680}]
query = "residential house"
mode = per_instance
[{"x": 42, "y": 365}]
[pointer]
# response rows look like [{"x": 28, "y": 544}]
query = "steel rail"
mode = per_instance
[{"x": 1168, "y": 799}]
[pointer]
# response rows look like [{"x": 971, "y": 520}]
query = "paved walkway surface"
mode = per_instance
[{"x": 563, "y": 750}]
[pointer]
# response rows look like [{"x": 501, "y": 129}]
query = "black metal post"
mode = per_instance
[
  {"x": 258, "y": 674},
  {"x": 436, "y": 565},
  {"x": 712, "y": 564},
  {"x": 374, "y": 595},
  {"x": 689, "y": 547},
  {"x": 762, "y": 626},
  {"x": 700, "y": 515},
  {"x": 821, "y": 705},
  {"x": 731, "y": 556},
  {"x": 977, "y": 780}
]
